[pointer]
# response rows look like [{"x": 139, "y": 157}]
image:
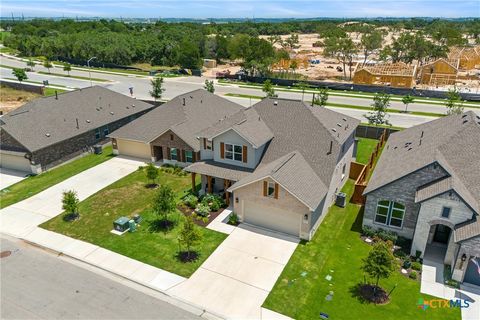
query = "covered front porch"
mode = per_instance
[{"x": 216, "y": 177}]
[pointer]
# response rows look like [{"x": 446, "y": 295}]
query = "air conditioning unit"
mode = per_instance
[{"x": 341, "y": 199}]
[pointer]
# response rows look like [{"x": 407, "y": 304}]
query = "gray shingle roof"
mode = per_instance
[
  {"x": 221, "y": 170},
  {"x": 468, "y": 230},
  {"x": 451, "y": 141},
  {"x": 200, "y": 111},
  {"x": 46, "y": 121},
  {"x": 247, "y": 123}
]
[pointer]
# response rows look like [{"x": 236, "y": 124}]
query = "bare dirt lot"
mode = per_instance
[{"x": 10, "y": 98}]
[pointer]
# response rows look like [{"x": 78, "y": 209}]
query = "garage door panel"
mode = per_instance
[
  {"x": 15, "y": 162},
  {"x": 472, "y": 275},
  {"x": 273, "y": 218},
  {"x": 134, "y": 149}
]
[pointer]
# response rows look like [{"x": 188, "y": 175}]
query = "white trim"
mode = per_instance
[
  {"x": 232, "y": 152},
  {"x": 388, "y": 217}
]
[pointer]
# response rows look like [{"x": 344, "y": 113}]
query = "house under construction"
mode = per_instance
[
  {"x": 468, "y": 57},
  {"x": 399, "y": 75},
  {"x": 439, "y": 72}
]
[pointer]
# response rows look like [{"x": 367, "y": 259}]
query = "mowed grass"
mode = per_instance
[
  {"x": 126, "y": 197},
  {"x": 35, "y": 184},
  {"x": 338, "y": 250},
  {"x": 364, "y": 149}
]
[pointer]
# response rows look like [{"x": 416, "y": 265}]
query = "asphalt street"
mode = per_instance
[
  {"x": 175, "y": 86},
  {"x": 39, "y": 285}
]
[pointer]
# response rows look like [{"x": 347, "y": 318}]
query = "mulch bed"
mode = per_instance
[
  {"x": 188, "y": 212},
  {"x": 366, "y": 292}
]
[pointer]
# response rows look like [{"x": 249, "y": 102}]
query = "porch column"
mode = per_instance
[
  {"x": 193, "y": 181},
  {"x": 209, "y": 184},
  {"x": 226, "y": 184}
]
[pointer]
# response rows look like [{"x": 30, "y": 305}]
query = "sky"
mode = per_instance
[{"x": 240, "y": 8}]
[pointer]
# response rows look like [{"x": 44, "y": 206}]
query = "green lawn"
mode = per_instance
[
  {"x": 51, "y": 91},
  {"x": 365, "y": 148},
  {"x": 35, "y": 184},
  {"x": 125, "y": 198},
  {"x": 337, "y": 250}
]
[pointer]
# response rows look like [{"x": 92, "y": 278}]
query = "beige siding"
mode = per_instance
[
  {"x": 134, "y": 149},
  {"x": 14, "y": 162}
]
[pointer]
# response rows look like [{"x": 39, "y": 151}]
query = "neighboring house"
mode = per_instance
[
  {"x": 426, "y": 187},
  {"x": 468, "y": 57},
  {"x": 50, "y": 130},
  {"x": 281, "y": 163},
  {"x": 168, "y": 133}
]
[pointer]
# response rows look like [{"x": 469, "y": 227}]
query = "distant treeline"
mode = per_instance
[{"x": 185, "y": 44}]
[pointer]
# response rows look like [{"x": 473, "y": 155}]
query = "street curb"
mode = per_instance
[{"x": 174, "y": 300}]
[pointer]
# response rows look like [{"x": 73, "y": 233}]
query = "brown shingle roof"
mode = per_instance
[
  {"x": 45, "y": 121},
  {"x": 221, "y": 170}
]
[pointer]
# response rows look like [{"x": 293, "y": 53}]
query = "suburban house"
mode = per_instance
[
  {"x": 281, "y": 163},
  {"x": 425, "y": 188},
  {"x": 50, "y": 130},
  {"x": 168, "y": 133}
]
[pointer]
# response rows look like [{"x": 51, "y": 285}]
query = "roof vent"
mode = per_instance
[
  {"x": 334, "y": 130},
  {"x": 275, "y": 103},
  {"x": 133, "y": 106},
  {"x": 47, "y": 134},
  {"x": 88, "y": 121},
  {"x": 464, "y": 116},
  {"x": 409, "y": 149},
  {"x": 338, "y": 124},
  {"x": 421, "y": 135},
  {"x": 111, "y": 112},
  {"x": 98, "y": 109},
  {"x": 465, "y": 121},
  {"x": 344, "y": 119}
]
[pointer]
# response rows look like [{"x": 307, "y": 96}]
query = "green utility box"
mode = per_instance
[
  {"x": 132, "y": 225},
  {"x": 121, "y": 224}
]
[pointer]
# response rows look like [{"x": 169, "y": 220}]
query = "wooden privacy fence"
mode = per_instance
[{"x": 364, "y": 175}]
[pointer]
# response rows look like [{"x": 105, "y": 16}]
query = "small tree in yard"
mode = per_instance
[
  {"x": 454, "y": 102},
  {"x": 164, "y": 203},
  {"x": 31, "y": 64},
  {"x": 380, "y": 262},
  {"x": 407, "y": 100},
  {"x": 157, "y": 88},
  {"x": 47, "y": 64},
  {"x": 381, "y": 102},
  {"x": 188, "y": 237},
  {"x": 67, "y": 67},
  {"x": 20, "y": 74},
  {"x": 70, "y": 204},
  {"x": 209, "y": 86},
  {"x": 321, "y": 98},
  {"x": 151, "y": 171},
  {"x": 268, "y": 89}
]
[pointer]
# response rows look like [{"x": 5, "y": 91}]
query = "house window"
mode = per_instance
[
  {"x": 105, "y": 131},
  {"x": 173, "y": 154},
  {"x": 208, "y": 145},
  {"x": 171, "y": 137},
  {"x": 271, "y": 189},
  {"x": 390, "y": 213},
  {"x": 233, "y": 152},
  {"x": 188, "y": 156},
  {"x": 446, "y": 212},
  {"x": 97, "y": 134}
]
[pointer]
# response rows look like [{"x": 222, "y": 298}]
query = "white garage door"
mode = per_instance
[
  {"x": 134, "y": 149},
  {"x": 272, "y": 218},
  {"x": 14, "y": 162}
]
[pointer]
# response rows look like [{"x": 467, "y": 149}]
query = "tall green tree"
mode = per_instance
[
  {"x": 380, "y": 262},
  {"x": 20, "y": 74},
  {"x": 268, "y": 89},
  {"x": 189, "y": 236},
  {"x": 209, "y": 86},
  {"x": 370, "y": 42},
  {"x": 381, "y": 103},
  {"x": 407, "y": 100},
  {"x": 157, "y": 88},
  {"x": 291, "y": 42},
  {"x": 151, "y": 172},
  {"x": 189, "y": 55},
  {"x": 454, "y": 102},
  {"x": 67, "y": 67},
  {"x": 343, "y": 49},
  {"x": 164, "y": 202},
  {"x": 70, "y": 203}
]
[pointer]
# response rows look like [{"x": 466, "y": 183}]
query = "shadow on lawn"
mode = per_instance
[
  {"x": 185, "y": 256},
  {"x": 161, "y": 225},
  {"x": 69, "y": 217},
  {"x": 357, "y": 224},
  {"x": 364, "y": 294}
]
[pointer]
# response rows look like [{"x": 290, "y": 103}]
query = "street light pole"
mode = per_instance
[{"x": 89, "y": 74}]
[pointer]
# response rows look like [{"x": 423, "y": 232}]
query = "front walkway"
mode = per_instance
[
  {"x": 237, "y": 278},
  {"x": 432, "y": 283}
]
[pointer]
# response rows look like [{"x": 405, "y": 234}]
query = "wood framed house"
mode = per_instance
[{"x": 398, "y": 75}]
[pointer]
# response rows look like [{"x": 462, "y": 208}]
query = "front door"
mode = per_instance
[
  {"x": 442, "y": 234},
  {"x": 157, "y": 153}
]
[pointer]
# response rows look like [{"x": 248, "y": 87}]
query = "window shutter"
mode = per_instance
[
  {"x": 194, "y": 156},
  {"x": 244, "y": 154},
  {"x": 169, "y": 157},
  {"x": 276, "y": 190},
  {"x": 222, "y": 150},
  {"x": 205, "y": 143},
  {"x": 265, "y": 187},
  {"x": 184, "y": 157}
]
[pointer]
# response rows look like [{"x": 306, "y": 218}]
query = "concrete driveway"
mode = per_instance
[
  {"x": 9, "y": 177},
  {"x": 237, "y": 278}
]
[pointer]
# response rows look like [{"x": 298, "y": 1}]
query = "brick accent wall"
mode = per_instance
[
  {"x": 403, "y": 191},
  {"x": 170, "y": 140}
]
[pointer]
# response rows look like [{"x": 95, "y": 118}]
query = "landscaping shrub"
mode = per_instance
[
  {"x": 213, "y": 201},
  {"x": 191, "y": 201},
  {"x": 368, "y": 231},
  {"x": 387, "y": 235},
  {"x": 413, "y": 275},
  {"x": 416, "y": 266},
  {"x": 203, "y": 210},
  {"x": 233, "y": 219},
  {"x": 399, "y": 253}
]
